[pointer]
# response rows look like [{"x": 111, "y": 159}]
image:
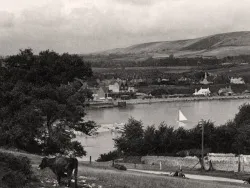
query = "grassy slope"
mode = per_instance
[
  {"x": 220, "y": 45},
  {"x": 108, "y": 177}
]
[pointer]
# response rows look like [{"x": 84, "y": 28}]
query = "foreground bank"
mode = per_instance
[{"x": 109, "y": 177}]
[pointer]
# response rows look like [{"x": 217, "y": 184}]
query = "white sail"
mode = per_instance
[{"x": 182, "y": 117}]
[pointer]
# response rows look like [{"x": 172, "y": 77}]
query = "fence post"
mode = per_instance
[
  {"x": 239, "y": 164},
  {"x": 243, "y": 164},
  {"x": 160, "y": 166},
  {"x": 135, "y": 165},
  {"x": 90, "y": 160}
]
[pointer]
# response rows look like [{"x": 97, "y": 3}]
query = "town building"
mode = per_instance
[
  {"x": 124, "y": 87},
  {"x": 202, "y": 92},
  {"x": 227, "y": 91},
  {"x": 205, "y": 80},
  {"x": 131, "y": 89},
  {"x": 99, "y": 94},
  {"x": 122, "y": 90},
  {"x": 237, "y": 80},
  {"x": 115, "y": 88}
]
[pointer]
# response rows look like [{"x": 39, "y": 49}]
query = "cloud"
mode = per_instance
[
  {"x": 85, "y": 26},
  {"x": 138, "y": 2},
  {"x": 6, "y": 19}
]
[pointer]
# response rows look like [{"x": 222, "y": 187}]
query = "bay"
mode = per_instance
[{"x": 218, "y": 111}]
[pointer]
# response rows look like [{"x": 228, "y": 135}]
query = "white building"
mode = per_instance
[
  {"x": 99, "y": 94},
  {"x": 131, "y": 89},
  {"x": 115, "y": 88},
  {"x": 202, "y": 92},
  {"x": 237, "y": 80}
]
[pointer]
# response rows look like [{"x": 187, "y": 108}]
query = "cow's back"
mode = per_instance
[{"x": 65, "y": 163}]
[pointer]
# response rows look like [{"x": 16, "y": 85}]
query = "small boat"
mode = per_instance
[{"x": 181, "y": 118}]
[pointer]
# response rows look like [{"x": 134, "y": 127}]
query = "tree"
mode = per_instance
[
  {"x": 232, "y": 137},
  {"x": 225, "y": 135},
  {"x": 159, "y": 92},
  {"x": 149, "y": 140},
  {"x": 41, "y": 103},
  {"x": 164, "y": 139},
  {"x": 242, "y": 134},
  {"x": 242, "y": 118},
  {"x": 222, "y": 79},
  {"x": 171, "y": 56},
  {"x": 131, "y": 140}
]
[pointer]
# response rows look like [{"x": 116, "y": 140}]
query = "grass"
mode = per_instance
[
  {"x": 102, "y": 177},
  {"x": 116, "y": 179}
]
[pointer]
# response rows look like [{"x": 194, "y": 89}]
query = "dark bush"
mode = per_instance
[
  {"x": 14, "y": 179},
  {"x": 112, "y": 155},
  {"x": 159, "y": 92},
  {"x": 14, "y": 163},
  {"x": 15, "y": 171},
  {"x": 120, "y": 167}
]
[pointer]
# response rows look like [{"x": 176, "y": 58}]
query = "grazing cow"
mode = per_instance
[{"x": 61, "y": 165}]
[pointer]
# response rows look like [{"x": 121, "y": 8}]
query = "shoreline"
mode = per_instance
[
  {"x": 185, "y": 99},
  {"x": 110, "y": 104}
]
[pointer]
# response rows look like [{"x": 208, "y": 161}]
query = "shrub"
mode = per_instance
[
  {"x": 15, "y": 171},
  {"x": 112, "y": 155},
  {"x": 120, "y": 167},
  {"x": 14, "y": 179}
]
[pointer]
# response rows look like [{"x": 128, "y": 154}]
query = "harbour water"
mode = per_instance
[{"x": 218, "y": 111}]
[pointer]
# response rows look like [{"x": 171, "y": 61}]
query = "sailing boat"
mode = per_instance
[{"x": 181, "y": 118}]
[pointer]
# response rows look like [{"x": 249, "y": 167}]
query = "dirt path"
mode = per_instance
[{"x": 192, "y": 176}]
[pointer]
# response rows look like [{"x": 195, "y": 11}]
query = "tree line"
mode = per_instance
[
  {"x": 207, "y": 62},
  {"x": 165, "y": 62}
]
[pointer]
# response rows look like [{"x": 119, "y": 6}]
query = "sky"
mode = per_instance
[{"x": 85, "y": 26}]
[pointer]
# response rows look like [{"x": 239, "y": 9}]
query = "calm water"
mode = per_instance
[{"x": 153, "y": 114}]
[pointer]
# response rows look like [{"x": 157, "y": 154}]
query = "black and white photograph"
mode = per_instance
[{"x": 124, "y": 93}]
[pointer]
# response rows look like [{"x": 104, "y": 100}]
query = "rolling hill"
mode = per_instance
[{"x": 219, "y": 45}]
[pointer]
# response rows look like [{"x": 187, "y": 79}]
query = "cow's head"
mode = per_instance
[{"x": 44, "y": 163}]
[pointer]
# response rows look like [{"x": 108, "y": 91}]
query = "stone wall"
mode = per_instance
[
  {"x": 230, "y": 162},
  {"x": 184, "y": 162},
  {"x": 220, "y": 161}
]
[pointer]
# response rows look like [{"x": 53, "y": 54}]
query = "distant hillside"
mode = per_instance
[{"x": 220, "y": 45}]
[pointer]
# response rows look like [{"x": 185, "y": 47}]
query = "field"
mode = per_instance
[
  {"x": 243, "y": 70},
  {"x": 102, "y": 177},
  {"x": 170, "y": 69}
]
